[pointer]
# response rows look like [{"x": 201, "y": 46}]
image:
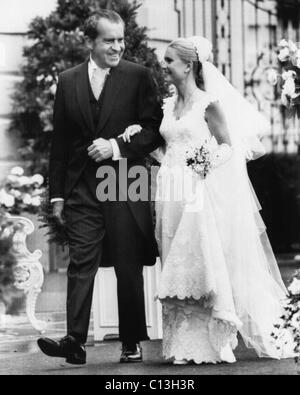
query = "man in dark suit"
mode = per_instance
[{"x": 95, "y": 103}]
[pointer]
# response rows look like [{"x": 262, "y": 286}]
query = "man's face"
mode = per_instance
[{"x": 108, "y": 48}]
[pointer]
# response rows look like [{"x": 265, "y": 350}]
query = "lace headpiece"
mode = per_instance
[{"x": 203, "y": 47}]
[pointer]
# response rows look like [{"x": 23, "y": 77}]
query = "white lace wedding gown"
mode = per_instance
[{"x": 198, "y": 287}]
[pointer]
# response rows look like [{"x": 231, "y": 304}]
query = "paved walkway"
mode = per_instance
[
  {"x": 19, "y": 354},
  {"x": 25, "y": 359}
]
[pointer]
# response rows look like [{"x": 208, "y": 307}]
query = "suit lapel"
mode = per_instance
[
  {"x": 110, "y": 93},
  {"x": 83, "y": 96}
]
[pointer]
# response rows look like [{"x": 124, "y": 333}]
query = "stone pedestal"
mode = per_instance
[{"x": 29, "y": 272}]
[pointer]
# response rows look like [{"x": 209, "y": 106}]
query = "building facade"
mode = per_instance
[{"x": 15, "y": 16}]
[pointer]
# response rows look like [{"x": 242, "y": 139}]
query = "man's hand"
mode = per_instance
[
  {"x": 57, "y": 212},
  {"x": 100, "y": 150}
]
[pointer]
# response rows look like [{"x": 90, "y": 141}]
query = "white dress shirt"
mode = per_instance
[{"x": 92, "y": 66}]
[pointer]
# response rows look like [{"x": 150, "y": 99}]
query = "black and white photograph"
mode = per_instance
[{"x": 149, "y": 190}]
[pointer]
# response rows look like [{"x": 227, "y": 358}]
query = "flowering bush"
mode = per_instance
[
  {"x": 289, "y": 326},
  {"x": 7, "y": 258},
  {"x": 288, "y": 75},
  {"x": 19, "y": 193}
]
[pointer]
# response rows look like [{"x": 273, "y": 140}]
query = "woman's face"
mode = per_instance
[{"x": 174, "y": 68}]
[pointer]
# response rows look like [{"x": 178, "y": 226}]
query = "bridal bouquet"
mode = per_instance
[
  {"x": 289, "y": 326},
  {"x": 199, "y": 159}
]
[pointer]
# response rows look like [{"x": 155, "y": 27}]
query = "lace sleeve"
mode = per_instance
[
  {"x": 210, "y": 99},
  {"x": 204, "y": 103}
]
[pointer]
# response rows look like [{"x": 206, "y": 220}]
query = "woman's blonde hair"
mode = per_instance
[{"x": 188, "y": 54}]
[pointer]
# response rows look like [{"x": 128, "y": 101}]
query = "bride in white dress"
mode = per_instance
[{"x": 219, "y": 275}]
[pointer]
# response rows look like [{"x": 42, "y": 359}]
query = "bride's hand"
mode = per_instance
[{"x": 131, "y": 131}]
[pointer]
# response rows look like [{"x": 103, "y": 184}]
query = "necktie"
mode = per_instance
[{"x": 97, "y": 82}]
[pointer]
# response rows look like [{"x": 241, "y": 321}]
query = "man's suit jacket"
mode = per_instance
[{"x": 129, "y": 97}]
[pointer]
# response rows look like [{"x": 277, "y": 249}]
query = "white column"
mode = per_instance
[
  {"x": 237, "y": 45},
  {"x": 161, "y": 19}
]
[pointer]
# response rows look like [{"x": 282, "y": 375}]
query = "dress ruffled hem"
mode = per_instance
[
  {"x": 206, "y": 299},
  {"x": 195, "y": 333},
  {"x": 200, "y": 361},
  {"x": 226, "y": 356}
]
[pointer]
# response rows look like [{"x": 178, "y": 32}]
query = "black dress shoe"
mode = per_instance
[
  {"x": 68, "y": 348},
  {"x": 131, "y": 354}
]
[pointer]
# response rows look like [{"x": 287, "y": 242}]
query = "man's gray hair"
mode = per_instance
[{"x": 91, "y": 25}]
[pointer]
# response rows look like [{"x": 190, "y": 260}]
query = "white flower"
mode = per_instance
[
  {"x": 36, "y": 201},
  {"x": 283, "y": 44},
  {"x": 272, "y": 76},
  {"x": 2, "y": 195},
  {"x": 199, "y": 168},
  {"x": 295, "y": 321},
  {"x": 289, "y": 88},
  {"x": 284, "y": 99},
  {"x": 6, "y": 199},
  {"x": 297, "y": 59},
  {"x": 24, "y": 181},
  {"x": 38, "y": 179},
  {"x": 10, "y": 201},
  {"x": 17, "y": 194},
  {"x": 12, "y": 179},
  {"x": 294, "y": 288},
  {"x": 40, "y": 78},
  {"x": 37, "y": 192},
  {"x": 292, "y": 46},
  {"x": 27, "y": 199},
  {"x": 288, "y": 74},
  {"x": 285, "y": 342},
  {"x": 284, "y": 54},
  {"x": 17, "y": 171},
  {"x": 53, "y": 89},
  {"x": 49, "y": 78}
]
